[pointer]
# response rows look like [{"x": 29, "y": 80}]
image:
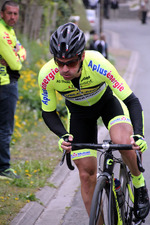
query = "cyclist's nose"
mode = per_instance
[{"x": 65, "y": 68}]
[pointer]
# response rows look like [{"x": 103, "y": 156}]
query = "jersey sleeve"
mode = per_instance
[
  {"x": 47, "y": 91},
  {"x": 116, "y": 82},
  {"x": 8, "y": 52},
  {"x": 54, "y": 123},
  {"x": 136, "y": 114},
  {"x": 122, "y": 90}
]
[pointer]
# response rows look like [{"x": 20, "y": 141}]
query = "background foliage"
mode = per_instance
[{"x": 38, "y": 19}]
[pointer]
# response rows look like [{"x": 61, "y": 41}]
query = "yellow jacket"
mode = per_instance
[{"x": 8, "y": 52}]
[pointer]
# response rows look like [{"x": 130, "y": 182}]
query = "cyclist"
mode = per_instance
[{"x": 92, "y": 88}]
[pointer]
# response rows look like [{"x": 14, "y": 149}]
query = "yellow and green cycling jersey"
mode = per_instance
[
  {"x": 97, "y": 74},
  {"x": 8, "y": 52},
  {"x": 99, "y": 92}
]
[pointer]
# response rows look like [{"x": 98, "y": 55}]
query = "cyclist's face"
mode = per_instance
[
  {"x": 69, "y": 68},
  {"x": 10, "y": 15}
]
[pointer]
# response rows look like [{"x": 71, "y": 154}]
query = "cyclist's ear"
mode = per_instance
[{"x": 83, "y": 56}]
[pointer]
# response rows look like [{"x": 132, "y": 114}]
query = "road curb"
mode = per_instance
[
  {"x": 130, "y": 71},
  {"x": 32, "y": 210}
]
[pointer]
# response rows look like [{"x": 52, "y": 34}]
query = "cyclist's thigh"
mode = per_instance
[
  {"x": 87, "y": 165},
  {"x": 84, "y": 130},
  {"x": 115, "y": 112}
]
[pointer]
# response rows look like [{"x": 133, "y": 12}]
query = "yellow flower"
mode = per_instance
[
  {"x": 17, "y": 124},
  {"x": 29, "y": 175},
  {"x": 43, "y": 137}
]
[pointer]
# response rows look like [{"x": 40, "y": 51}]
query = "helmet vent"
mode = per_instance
[
  {"x": 63, "y": 47},
  {"x": 64, "y": 34},
  {"x": 74, "y": 41}
]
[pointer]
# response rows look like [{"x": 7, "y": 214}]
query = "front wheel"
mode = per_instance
[
  {"x": 101, "y": 212},
  {"x": 128, "y": 191}
]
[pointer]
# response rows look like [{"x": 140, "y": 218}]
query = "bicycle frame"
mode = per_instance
[{"x": 108, "y": 167}]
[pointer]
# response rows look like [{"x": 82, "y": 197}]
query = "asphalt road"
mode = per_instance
[{"x": 136, "y": 37}]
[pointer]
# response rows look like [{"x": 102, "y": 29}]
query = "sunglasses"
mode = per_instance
[{"x": 70, "y": 64}]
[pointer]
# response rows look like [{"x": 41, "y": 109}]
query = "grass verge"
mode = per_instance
[{"x": 34, "y": 158}]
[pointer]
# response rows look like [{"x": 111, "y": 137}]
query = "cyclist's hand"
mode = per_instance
[
  {"x": 139, "y": 141},
  {"x": 64, "y": 143}
]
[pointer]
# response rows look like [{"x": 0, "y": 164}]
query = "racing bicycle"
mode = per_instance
[{"x": 109, "y": 206}]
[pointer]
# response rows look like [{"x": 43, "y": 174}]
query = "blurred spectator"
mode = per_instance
[
  {"x": 144, "y": 7},
  {"x": 90, "y": 4},
  {"x": 106, "y": 8},
  {"x": 99, "y": 45},
  {"x": 103, "y": 45},
  {"x": 115, "y": 6},
  {"x": 94, "y": 42}
]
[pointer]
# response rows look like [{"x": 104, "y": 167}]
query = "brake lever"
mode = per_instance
[
  {"x": 63, "y": 158},
  {"x": 68, "y": 158},
  {"x": 139, "y": 163}
]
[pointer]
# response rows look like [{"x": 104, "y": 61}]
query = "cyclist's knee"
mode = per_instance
[
  {"x": 120, "y": 133},
  {"x": 87, "y": 175},
  {"x": 88, "y": 182}
]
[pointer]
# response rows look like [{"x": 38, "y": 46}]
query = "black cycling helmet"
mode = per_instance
[{"x": 67, "y": 41}]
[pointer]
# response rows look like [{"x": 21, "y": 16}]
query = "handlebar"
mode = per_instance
[{"x": 106, "y": 146}]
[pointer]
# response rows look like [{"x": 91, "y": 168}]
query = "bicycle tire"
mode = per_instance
[
  {"x": 100, "y": 204},
  {"x": 128, "y": 191}
]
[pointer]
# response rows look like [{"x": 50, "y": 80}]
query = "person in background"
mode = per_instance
[
  {"x": 144, "y": 10},
  {"x": 92, "y": 88},
  {"x": 104, "y": 46},
  {"x": 114, "y": 8},
  {"x": 99, "y": 45},
  {"x": 94, "y": 42},
  {"x": 106, "y": 8},
  {"x": 12, "y": 54}
]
